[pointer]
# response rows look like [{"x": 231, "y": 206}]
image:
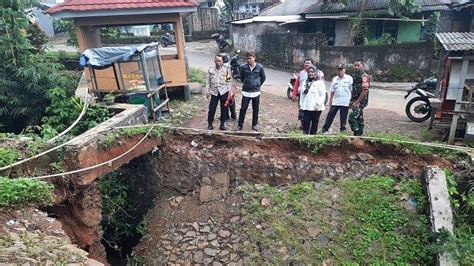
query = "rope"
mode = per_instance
[
  {"x": 100, "y": 164},
  {"x": 244, "y": 135},
  {"x": 83, "y": 112}
]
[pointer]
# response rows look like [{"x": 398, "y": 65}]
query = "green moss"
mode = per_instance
[
  {"x": 24, "y": 192},
  {"x": 395, "y": 139},
  {"x": 364, "y": 220},
  {"x": 318, "y": 142}
]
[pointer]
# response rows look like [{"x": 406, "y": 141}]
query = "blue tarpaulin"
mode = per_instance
[{"x": 100, "y": 58}]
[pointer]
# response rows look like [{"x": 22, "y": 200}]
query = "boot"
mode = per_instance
[{"x": 222, "y": 127}]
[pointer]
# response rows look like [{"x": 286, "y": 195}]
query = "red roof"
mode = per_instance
[{"x": 95, "y": 5}]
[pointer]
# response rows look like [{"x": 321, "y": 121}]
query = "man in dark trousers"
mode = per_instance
[
  {"x": 359, "y": 99},
  {"x": 217, "y": 89},
  {"x": 252, "y": 76},
  {"x": 341, "y": 89}
]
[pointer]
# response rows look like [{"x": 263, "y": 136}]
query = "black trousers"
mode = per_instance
[
  {"x": 310, "y": 122},
  {"x": 343, "y": 113},
  {"x": 245, "y": 105},
  {"x": 232, "y": 112},
  {"x": 213, "y": 106}
]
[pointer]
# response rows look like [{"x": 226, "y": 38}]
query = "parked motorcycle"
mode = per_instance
[
  {"x": 232, "y": 63},
  {"x": 291, "y": 83},
  {"x": 221, "y": 42},
  {"x": 418, "y": 109},
  {"x": 167, "y": 39}
]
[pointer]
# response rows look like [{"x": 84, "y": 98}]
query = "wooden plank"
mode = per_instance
[{"x": 161, "y": 105}]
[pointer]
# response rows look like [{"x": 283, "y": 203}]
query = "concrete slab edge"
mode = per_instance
[{"x": 441, "y": 213}]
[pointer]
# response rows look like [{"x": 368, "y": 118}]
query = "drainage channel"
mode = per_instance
[
  {"x": 203, "y": 188},
  {"x": 224, "y": 199}
]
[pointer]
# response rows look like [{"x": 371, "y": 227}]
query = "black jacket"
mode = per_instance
[{"x": 252, "y": 79}]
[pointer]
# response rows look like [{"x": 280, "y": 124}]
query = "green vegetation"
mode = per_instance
[
  {"x": 112, "y": 137},
  {"x": 65, "y": 109},
  {"x": 25, "y": 73},
  {"x": 415, "y": 147},
  {"x": 197, "y": 75},
  {"x": 356, "y": 221},
  {"x": 20, "y": 192},
  {"x": 318, "y": 142},
  {"x": 384, "y": 39},
  {"x": 126, "y": 196},
  {"x": 460, "y": 245},
  {"x": 8, "y": 156}
]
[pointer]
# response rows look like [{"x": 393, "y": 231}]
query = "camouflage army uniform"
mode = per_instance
[{"x": 356, "y": 117}]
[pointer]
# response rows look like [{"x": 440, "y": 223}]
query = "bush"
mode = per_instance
[
  {"x": 8, "y": 156},
  {"x": 65, "y": 109},
  {"x": 24, "y": 192}
]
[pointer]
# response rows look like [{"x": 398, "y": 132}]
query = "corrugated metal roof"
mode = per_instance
[
  {"x": 456, "y": 41},
  {"x": 290, "y": 7},
  {"x": 381, "y": 6},
  {"x": 278, "y": 19},
  {"x": 95, "y": 5}
]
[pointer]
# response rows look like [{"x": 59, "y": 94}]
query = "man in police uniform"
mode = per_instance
[
  {"x": 359, "y": 99},
  {"x": 217, "y": 90}
]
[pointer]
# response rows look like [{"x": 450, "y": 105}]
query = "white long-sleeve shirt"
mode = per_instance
[{"x": 314, "y": 99}]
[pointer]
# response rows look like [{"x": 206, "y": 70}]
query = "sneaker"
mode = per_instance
[
  {"x": 222, "y": 127},
  {"x": 255, "y": 128},
  {"x": 210, "y": 127},
  {"x": 326, "y": 133},
  {"x": 239, "y": 128}
]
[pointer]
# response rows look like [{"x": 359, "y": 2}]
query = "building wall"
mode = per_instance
[
  {"x": 388, "y": 62},
  {"x": 409, "y": 31},
  {"x": 203, "y": 23},
  {"x": 342, "y": 33},
  {"x": 288, "y": 50}
]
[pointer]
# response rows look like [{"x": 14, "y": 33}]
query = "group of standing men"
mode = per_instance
[{"x": 346, "y": 93}]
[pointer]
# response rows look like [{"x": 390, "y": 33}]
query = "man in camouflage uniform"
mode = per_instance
[
  {"x": 359, "y": 98},
  {"x": 217, "y": 90}
]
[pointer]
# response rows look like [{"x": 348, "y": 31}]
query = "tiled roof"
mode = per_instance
[
  {"x": 456, "y": 41},
  {"x": 95, "y": 5},
  {"x": 379, "y": 6}
]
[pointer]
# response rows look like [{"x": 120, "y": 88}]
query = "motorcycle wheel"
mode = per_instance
[
  {"x": 289, "y": 93},
  {"x": 418, "y": 103}
]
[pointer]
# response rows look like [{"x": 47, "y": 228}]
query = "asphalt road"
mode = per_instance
[{"x": 277, "y": 80}]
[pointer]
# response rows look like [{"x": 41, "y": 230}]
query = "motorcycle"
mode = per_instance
[
  {"x": 418, "y": 109},
  {"x": 291, "y": 83},
  {"x": 221, "y": 42},
  {"x": 167, "y": 39}
]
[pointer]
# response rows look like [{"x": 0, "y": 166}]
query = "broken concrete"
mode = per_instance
[{"x": 441, "y": 213}]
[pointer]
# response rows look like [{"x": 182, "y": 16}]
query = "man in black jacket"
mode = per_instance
[{"x": 252, "y": 76}]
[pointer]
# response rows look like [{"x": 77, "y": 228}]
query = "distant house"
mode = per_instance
[
  {"x": 204, "y": 22},
  {"x": 334, "y": 20},
  {"x": 250, "y": 8},
  {"x": 283, "y": 17},
  {"x": 459, "y": 18}
]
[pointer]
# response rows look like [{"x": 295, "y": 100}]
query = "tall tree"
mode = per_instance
[{"x": 25, "y": 74}]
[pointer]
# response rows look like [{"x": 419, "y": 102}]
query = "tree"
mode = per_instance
[
  {"x": 403, "y": 8},
  {"x": 227, "y": 12},
  {"x": 25, "y": 74}
]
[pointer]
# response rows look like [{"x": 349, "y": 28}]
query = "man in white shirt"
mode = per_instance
[{"x": 341, "y": 88}]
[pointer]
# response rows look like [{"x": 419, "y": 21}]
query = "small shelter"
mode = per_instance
[
  {"x": 453, "y": 110},
  {"x": 138, "y": 74},
  {"x": 91, "y": 15}
]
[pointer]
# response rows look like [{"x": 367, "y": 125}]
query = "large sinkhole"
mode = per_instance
[{"x": 222, "y": 199}]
